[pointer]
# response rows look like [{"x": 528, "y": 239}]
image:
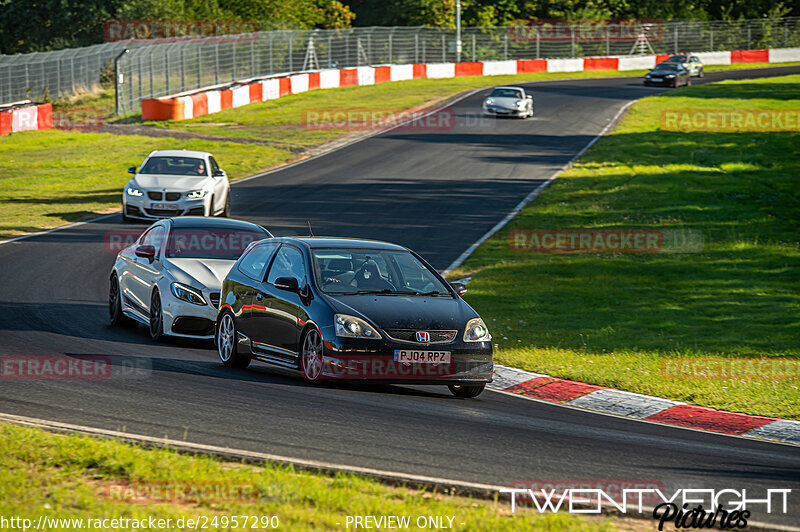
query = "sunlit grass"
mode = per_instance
[{"x": 614, "y": 319}]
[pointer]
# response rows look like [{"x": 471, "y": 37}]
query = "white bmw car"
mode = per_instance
[
  {"x": 170, "y": 278},
  {"x": 176, "y": 183},
  {"x": 508, "y": 101}
]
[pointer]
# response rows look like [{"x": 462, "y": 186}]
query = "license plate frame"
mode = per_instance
[
  {"x": 422, "y": 356},
  {"x": 162, "y": 206}
]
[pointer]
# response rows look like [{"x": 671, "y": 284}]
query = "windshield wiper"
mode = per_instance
[
  {"x": 433, "y": 293},
  {"x": 385, "y": 291}
]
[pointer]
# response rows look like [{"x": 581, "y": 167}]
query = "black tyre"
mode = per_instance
[
  {"x": 156, "y": 317},
  {"x": 311, "y": 356},
  {"x": 226, "y": 210},
  {"x": 466, "y": 391},
  {"x": 115, "y": 315},
  {"x": 226, "y": 343},
  {"x": 702, "y": 73}
]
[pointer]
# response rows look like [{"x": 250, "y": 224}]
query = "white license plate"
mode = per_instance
[
  {"x": 162, "y": 206},
  {"x": 415, "y": 356}
]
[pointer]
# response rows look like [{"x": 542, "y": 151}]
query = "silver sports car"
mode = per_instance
[
  {"x": 508, "y": 101},
  {"x": 170, "y": 278}
]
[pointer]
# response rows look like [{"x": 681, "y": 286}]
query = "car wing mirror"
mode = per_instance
[
  {"x": 132, "y": 170},
  {"x": 218, "y": 173},
  {"x": 289, "y": 284},
  {"x": 146, "y": 252},
  {"x": 460, "y": 288}
]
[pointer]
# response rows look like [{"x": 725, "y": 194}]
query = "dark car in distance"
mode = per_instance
[
  {"x": 354, "y": 310},
  {"x": 669, "y": 74}
]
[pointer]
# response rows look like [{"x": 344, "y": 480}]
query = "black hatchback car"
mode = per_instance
[
  {"x": 355, "y": 310},
  {"x": 669, "y": 74}
]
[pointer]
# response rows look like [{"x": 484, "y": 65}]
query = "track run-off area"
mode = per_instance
[{"x": 435, "y": 191}]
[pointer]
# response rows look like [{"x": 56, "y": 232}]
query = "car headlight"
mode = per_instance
[
  {"x": 352, "y": 327},
  {"x": 196, "y": 194},
  {"x": 671, "y": 75},
  {"x": 188, "y": 294},
  {"x": 489, "y": 101},
  {"x": 520, "y": 103},
  {"x": 476, "y": 331},
  {"x": 134, "y": 192}
]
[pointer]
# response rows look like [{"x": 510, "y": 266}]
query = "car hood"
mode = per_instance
[
  {"x": 208, "y": 273},
  {"x": 508, "y": 103},
  {"x": 170, "y": 182},
  {"x": 406, "y": 312}
]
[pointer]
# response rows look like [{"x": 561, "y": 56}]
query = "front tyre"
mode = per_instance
[
  {"x": 226, "y": 210},
  {"x": 156, "y": 318},
  {"x": 466, "y": 391},
  {"x": 311, "y": 356},
  {"x": 115, "y": 315},
  {"x": 226, "y": 343}
]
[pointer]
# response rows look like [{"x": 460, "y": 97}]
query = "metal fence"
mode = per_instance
[{"x": 158, "y": 68}]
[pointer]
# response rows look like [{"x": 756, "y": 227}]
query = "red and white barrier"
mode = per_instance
[
  {"x": 26, "y": 117},
  {"x": 182, "y": 107}
]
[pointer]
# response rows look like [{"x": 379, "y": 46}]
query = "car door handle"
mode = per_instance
[{"x": 259, "y": 296}]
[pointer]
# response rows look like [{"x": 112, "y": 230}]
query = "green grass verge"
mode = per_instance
[
  {"x": 76, "y": 477},
  {"x": 49, "y": 178},
  {"x": 719, "y": 328}
]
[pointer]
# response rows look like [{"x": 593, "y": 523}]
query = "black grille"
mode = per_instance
[
  {"x": 162, "y": 212},
  {"x": 173, "y": 196},
  {"x": 214, "y": 297},
  {"x": 154, "y": 195},
  {"x": 132, "y": 210},
  {"x": 193, "y": 326},
  {"x": 409, "y": 335},
  {"x": 197, "y": 211}
]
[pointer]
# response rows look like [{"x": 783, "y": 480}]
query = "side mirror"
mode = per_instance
[
  {"x": 289, "y": 284},
  {"x": 460, "y": 288},
  {"x": 218, "y": 173},
  {"x": 132, "y": 170},
  {"x": 529, "y": 96},
  {"x": 147, "y": 252}
]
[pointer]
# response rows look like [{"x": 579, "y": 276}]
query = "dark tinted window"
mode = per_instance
[
  {"x": 288, "y": 263},
  {"x": 255, "y": 262},
  {"x": 669, "y": 66},
  {"x": 154, "y": 237},
  {"x": 507, "y": 93},
  {"x": 191, "y": 166},
  {"x": 210, "y": 242}
]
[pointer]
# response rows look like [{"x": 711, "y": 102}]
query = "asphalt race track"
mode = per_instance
[{"x": 436, "y": 191}]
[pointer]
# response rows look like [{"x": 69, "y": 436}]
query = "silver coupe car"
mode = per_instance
[{"x": 508, "y": 101}]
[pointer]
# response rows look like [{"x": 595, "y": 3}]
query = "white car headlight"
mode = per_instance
[
  {"x": 196, "y": 194},
  {"x": 520, "y": 103},
  {"x": 134, "y": 192},
  {"x": 352, "y": 327},
  {"x": 489, "y": 101},
  {"x": 188, "y": 294},
  {"x": 476, "y": 331}
]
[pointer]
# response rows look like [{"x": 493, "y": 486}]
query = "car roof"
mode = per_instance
[
  {"x": 316, "y": 242},
  {"x": 509, "y": 87},
  {"x": 179, "y": 153},
  {"x": 203, "y": 222}
]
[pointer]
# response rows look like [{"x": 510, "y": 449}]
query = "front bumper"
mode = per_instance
[
  {"x": 660, "y": 81},
  {"x": 187, "y": 320},
  {"x": 493, "y": 110},
  {"x": 143, "y": 208},
  {"x": 373, "y": 360}
]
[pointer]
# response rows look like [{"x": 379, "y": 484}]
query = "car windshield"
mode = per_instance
[
  {"x": 210, "y": 242},
  {"x": 668, "y": 66},
  {"x": 506, "y": 93},
  {"x": 374, "y": 271},
  {"x": 183, "y": 166},
  {"x": 677, "y": 59}
]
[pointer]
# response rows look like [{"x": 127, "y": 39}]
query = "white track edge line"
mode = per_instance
[{"x": 449, "y": 487}]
